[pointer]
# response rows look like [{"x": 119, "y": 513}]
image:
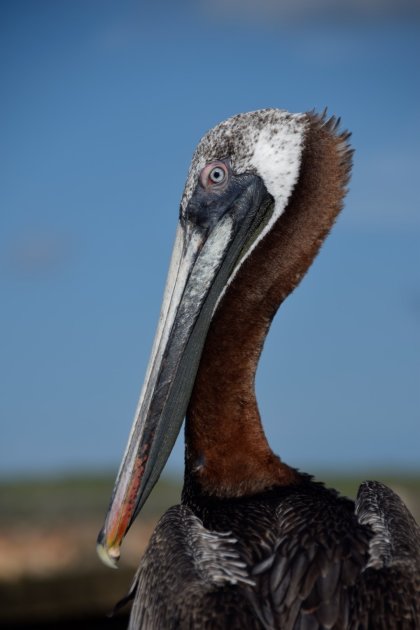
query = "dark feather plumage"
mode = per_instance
[{"x": 293, "y": 558}]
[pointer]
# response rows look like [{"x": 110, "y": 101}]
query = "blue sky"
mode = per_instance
[{"x": 103, "y": 103}]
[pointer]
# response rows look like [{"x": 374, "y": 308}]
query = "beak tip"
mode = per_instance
[{"x": 108, "y": 555}]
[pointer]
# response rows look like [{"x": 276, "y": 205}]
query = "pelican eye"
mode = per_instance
[
  {"x": 214, "y": 174},
  {"x": 217, "y": 175}
]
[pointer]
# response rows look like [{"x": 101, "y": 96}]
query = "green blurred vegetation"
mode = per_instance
[
  {"x": 72, "y": 497},
  {"x": 407, "y": 485}
]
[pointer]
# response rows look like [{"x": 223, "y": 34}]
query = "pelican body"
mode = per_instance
[{"x": 255, "y": 543}]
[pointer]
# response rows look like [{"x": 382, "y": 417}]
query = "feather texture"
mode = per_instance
[{"x": 292, "y": 558}]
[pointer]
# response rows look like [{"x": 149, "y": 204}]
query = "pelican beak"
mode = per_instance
[{"x": 212, "y": 237}]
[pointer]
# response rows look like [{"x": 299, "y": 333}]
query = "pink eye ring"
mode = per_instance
[{"x": 214, "y": 174}]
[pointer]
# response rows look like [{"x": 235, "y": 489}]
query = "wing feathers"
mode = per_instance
[
  {"x": 308, "y": 562},
  {"x": 396, "y": 533}
]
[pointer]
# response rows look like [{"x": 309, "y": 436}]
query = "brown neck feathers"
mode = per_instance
[{"x": 226, "y": 450}]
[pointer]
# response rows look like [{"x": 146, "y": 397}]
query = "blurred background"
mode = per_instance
[{"x": 102, "y": 104}]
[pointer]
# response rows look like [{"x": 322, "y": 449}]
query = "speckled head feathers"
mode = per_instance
[{"x": 267, "y": 142}]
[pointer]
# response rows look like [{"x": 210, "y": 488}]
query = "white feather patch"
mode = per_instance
[{"x": 276, "y": 159}]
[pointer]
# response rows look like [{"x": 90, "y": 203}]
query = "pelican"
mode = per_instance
[{"x": 254, "y": 543}]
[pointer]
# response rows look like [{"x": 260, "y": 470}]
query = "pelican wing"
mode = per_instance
[
  {"x": 396, "y": 537},
  {"x": 308, "y": 581},
  {"x": 185, "y": 574},
  {"x": 336, "y": 565}
]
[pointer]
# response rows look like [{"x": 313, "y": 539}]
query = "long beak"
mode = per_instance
[{"x": 202, "y": 261}]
